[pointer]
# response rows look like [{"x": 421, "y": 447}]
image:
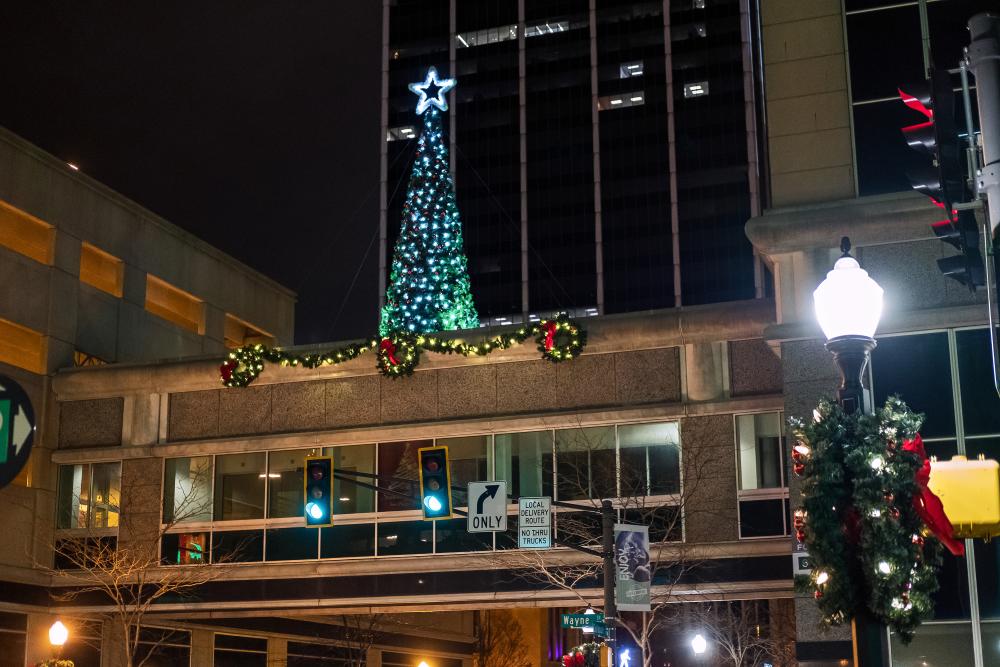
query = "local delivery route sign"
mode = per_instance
[
  {"x": 534, "y": 523},
  {"x": 487, "y": 507}
]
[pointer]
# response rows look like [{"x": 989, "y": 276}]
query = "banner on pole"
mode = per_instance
[{"x": 633, "y": 572}]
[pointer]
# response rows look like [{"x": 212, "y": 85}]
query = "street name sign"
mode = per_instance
[
  {"x": 487, "y": 507},
  {"x": 581, "y": 620},
  {"x": 534, "y": 523}
]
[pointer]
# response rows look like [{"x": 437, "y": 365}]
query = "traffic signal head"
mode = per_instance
[
  {"x": 961, "y": 231},
  {"x": 318, "y": 489},
  {"x": 936, "y": 136},
  {"x": 435, "y": 482}
]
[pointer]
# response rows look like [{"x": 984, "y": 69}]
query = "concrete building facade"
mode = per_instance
[{"x": 696, "y": 392}]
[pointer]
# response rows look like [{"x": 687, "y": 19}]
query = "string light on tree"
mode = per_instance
[{"x": 429, "y": 288}]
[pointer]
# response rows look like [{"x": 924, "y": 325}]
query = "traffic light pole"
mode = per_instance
[{"x": 984, "y": 62}]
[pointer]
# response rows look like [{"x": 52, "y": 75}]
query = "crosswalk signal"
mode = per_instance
[
  {"x": 943, "y": 180},
  {"x": 435, "y": 482},
  {"x": 318, "y": 489}
]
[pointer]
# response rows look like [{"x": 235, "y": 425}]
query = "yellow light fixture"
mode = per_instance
[{"x": 58, "y": 634}]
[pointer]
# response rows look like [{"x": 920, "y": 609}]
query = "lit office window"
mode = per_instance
[
  {"x": 504, "y": 33},
  {"x": 22, "y": 347},
  {"x": 546, "y": 28},
  {"x": 649, "y": 459},
  {"x": 628, "y": 70},
  {"x": 621, "y": 101},
  {"x": 585, "y": 461},
  {"x": 524, "y": 460},
  {"x": 467, "y": 458},
  {"x": 239, "y": 486},
  {"x": 763, "y": 491},
  {"x": 26, "y": 235},
  {"x": 400, "y": 133},
  {"x": 239, "y": 332},
  {"x": 175, "y": 305},
  {"x": 698, "y": 4},
  {"x": 89, "y": 495},
  {"x": 348, "y": 497},
  {"x": 696, "y": 89},
  {"x": 187, "y": 489}
]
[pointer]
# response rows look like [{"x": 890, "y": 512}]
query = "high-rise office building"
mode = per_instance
[{"x": 605, "y": 152}]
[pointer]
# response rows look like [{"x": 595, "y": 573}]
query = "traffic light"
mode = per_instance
[
  {"x": 318, "y": 488},
  {"x": 435, "y": 482},
  {"x": 943, "y": 180},
  {"x": 937, "y": 136},
  {"x": 962, "y": 233}
]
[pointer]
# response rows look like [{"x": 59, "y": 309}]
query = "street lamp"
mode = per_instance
[
  {"x": 58, "y": 634},
  {"x": 699, "y": 645},
  {"x": 848, "y": 306},
  {"x": 423, "y": 663}
]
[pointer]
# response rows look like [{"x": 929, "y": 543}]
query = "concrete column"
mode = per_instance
[
  {"x": 134, "y": 285},
  {"x": 112, "y": 646},
  {"x": 141, "y": 419},
  {"x": 374, "y": 658},
  {"x": 809, "y": 375},
  {"x": 277, "y": 652},
  {"x": 202, "y": 647},
  {"x": 709, "y": 460},
  {"x": 706, "y": 367}
]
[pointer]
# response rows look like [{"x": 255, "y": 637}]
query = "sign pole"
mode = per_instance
[{"x": 608, "y": 549}]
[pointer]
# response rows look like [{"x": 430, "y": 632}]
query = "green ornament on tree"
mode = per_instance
[{"x": 429, "y": 288}]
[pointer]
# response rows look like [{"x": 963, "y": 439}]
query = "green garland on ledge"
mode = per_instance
[
  {"x": 559, "y": 339},
  {"x": 868, "y": 545}
]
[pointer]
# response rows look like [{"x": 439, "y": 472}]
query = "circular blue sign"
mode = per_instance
[{"x": 17, "y": 430}]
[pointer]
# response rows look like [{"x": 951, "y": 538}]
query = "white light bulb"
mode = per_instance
[
  {"x": 699, "y": 645},
  {"x": 877, "y": 463},
  {"x": 884, "y": 567},
  {"x": 822, "y": 578}
]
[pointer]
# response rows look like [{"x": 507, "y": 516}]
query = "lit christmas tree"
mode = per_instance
[{"x": 429, "y": 287}]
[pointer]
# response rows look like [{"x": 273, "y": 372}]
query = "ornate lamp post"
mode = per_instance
[{"x": 848, "y": 306}]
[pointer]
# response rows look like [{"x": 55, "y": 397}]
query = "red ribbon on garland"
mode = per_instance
[
  {"x": 550, "y": 335},
  {"x": 928, "y": 506},
  {"x": 389, "y": 348}
]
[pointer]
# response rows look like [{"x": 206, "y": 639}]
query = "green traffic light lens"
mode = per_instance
[{"x": 433, "y": 504}]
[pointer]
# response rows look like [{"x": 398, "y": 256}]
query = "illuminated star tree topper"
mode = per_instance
[{"x": 429, "y": 288}]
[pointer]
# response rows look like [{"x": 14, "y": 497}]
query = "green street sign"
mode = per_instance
[
  {"x": 601, "y": 630},
  {"x": 582, "y": 620}
]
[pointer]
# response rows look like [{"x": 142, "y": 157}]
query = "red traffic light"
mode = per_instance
[{"x": 316, "y": 472}]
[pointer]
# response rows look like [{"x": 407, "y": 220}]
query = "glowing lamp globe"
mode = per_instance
[
  {"x": 699, "y": 645},
  {"x": 848, "y": 302},
  {"x": 58, "y": 634}
]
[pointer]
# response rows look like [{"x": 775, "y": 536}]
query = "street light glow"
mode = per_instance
[
  {"x": 58, "y": 634},
  {"x": 848, "y": 302},
  {"x": 423, "y": 663},
  {"x": 699, "y": 645}
]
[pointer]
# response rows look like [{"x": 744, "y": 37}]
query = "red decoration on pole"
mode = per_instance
[
  {"x": 579, "y": 659},
  {"x": 389, "y": 348},
  {"x": 550, "y": 335},
  {"x": 928, "y": 505}
]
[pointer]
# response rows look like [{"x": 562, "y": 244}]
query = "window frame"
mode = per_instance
[{"x": 773, "y": 493}]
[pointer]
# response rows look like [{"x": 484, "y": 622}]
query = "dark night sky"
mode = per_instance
[{"x": 253, "y": 124}]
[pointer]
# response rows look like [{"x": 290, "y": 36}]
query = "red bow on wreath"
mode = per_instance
[
  {"x": 389, "y": 348},
  {"x": 226, "y": 370},
  {"x": 928, "y": 506},
  {"x": 550, "y": 335}
]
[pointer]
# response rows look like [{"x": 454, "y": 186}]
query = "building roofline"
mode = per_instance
[{"x": 51, "y": 161}]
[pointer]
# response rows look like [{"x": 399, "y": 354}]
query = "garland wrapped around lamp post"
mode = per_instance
[
  {"x": 559, "y": 339},
  {"x": 872, "y": 528},
  {"x": 864, "y": 516}
]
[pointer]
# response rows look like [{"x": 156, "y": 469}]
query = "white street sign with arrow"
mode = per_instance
[{"x": 487, "y": 507}]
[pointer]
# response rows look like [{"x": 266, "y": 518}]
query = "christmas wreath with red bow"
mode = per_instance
[
  {"x": 559, "y": 339},
  {"x": 584, "y": 655},
  {"x": 872, "y": 528}
]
